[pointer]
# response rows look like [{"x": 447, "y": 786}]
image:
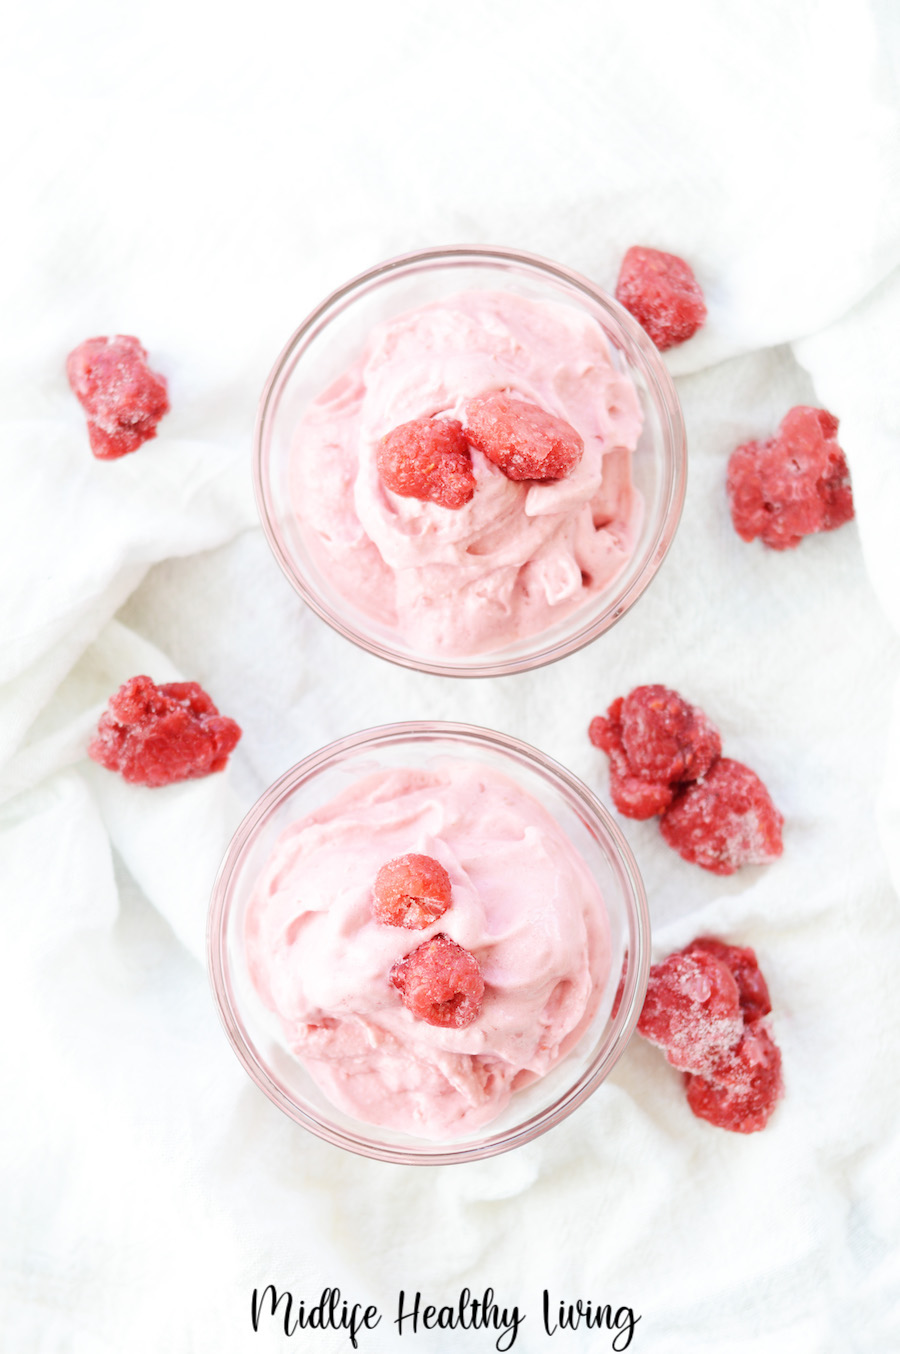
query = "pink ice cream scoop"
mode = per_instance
[
  {"x": 475, "y": 571},
  {"x": 525, "y": 910}
]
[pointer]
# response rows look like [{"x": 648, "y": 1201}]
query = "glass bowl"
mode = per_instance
[
  {"x": 255, "y": 1032},
  {"x": 333, "y": 337}
]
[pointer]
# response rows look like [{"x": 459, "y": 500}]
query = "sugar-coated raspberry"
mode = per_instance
[
  {"x": 440, "y": 983},
  {"x": 725, "y": 820},
  {"x": 744, "y": 1085},
  {"x": 428, "y": 459},
  {"x": 662, "y": 294},
  {"x": 792, "y": 485},
  {"x": 123, "y": 399},
  {"x": 525, "y": 441},
  {"x": 633, "y": 796},
  {"x": 155, "y": 735},
  {"x": 411, "y": 891},
  {"x": 692, "y": 1010},
  {"x": 665, "y": 739},
  {"x": 742, "y": 963}
]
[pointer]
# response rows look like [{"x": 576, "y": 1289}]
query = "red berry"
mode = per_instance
[
  {"x": 525, "y": 441},
  {"x": 155, "y": 735},
  {"x": 792, "y": 485},
  {"x": 692, "y": 1010},
  {"x": 633, "y": 796},
  {"x": 744, "y": 1085},
  {"x": 607, "y": 733},
  {"x": 742, "y": 963},
  {"x": 654, "y": 740},
  {"x": 662, "y": 294},
  {"x": 725, "y": 820},
  {"x": 711, "y": 1028},
  {"x": 664, "y": 758},
  {"x": 440, "y": 983},
  {"x": 411, "y": 891},
  {"x": 124, "y": 400},
  {"x": 428, "y": 459},
  {"x": 665, "y": 739}
]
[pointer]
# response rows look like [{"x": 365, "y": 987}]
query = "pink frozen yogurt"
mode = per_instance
[
  {"x": 520, "y": 556},
  {"x": 524, "y": 903}
]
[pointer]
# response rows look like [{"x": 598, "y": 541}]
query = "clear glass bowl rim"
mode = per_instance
[
  {"x": 654, "y": 371},
  {"x": 636, "y": 971}
]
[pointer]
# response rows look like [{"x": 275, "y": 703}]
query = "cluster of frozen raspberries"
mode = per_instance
[
  {"x": 665, "y": 758},
  {"x": 705, "y": 1005}
]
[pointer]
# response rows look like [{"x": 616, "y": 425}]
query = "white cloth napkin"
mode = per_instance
[{"x": 202, "y": 182}]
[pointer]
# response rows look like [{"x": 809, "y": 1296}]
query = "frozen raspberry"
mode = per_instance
[
  {"x": 411, "y": 891},
  {"x": 744, "y": 1085},
  {"x": 712, "y": 1029},
  {"x": 154, "y": 735},
  {"x": 633, "y": 796},
  {"x": 428, "y": 459},
  {"x": 440, "y": 983},
  {"x": 123, "y": 399},
  {"x": 792, "y": 485},
  {"x": 662, "y": 294},
  {"x": 664, "y": 758},
  {"x": 742, "y": 963},
  {"x": 654, "y": 741},
  {"x": 692, "y": 1010},
  {"x": 665, "y": 739},
  {"x": 725, "y": 820},
  {"x": 525, "y": 441}
]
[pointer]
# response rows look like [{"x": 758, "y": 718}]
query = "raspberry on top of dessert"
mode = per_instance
[
  {"x": 467, "y": 483},
  {"x": 430, "y": 941}
]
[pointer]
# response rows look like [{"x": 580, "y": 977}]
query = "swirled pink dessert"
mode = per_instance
[
  {"x": 524, "y": 908},
  {"x": 466, "y": 570}
]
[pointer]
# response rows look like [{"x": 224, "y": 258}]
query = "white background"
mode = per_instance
[{"x": 201, "y": 176}]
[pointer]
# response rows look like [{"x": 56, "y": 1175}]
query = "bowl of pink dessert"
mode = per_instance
[
  {"x": 470, "y": 461},
  {"x": 428, "y": 943}
]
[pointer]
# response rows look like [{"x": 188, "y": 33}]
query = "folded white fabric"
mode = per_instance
[
  {"x": 851, "y": 364},
  {"x": 204, "y": 193},
  {"x": 77, "y": 535}
]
